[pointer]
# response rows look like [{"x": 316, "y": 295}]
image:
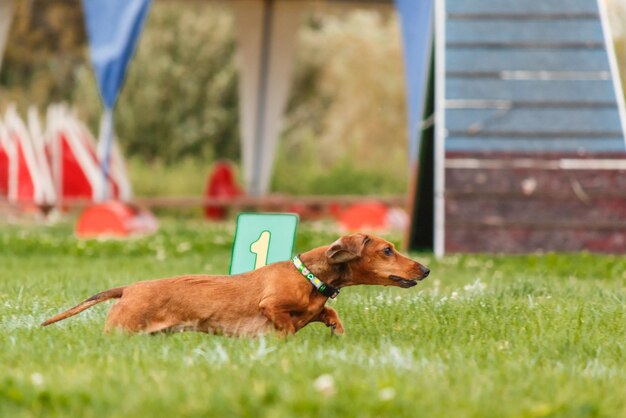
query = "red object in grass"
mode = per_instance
[
  {"x": 115, "y": 219},
  {"x": 221, "y": 184},
  {"x": 364, "y": 216}
]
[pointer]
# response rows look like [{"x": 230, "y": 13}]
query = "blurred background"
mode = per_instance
[
  {"x": 177, "y": 111},
  {"x": 344, "y": 130}
]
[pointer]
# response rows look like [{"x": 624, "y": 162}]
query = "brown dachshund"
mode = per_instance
[{"x": 283, "y": 296}]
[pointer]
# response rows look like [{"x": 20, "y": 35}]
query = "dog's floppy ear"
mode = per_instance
[{"x": 346, "y": 248}]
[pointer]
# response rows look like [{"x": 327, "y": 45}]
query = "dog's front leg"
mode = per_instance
[
  {"x": 279, "y": 316},
  {"x": 330, "y": 318}
]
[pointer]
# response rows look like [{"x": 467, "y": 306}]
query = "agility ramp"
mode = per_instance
[{"x": 529, "y": 151}]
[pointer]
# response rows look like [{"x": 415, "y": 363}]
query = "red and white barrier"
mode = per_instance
[
  {"x": 41, "y": 157},
  {"x": 29, "y": 182},
  {"x": 6, "y": 155},
  {"x": 75, "y": 160},
  {"x": 43, "y": 168}
]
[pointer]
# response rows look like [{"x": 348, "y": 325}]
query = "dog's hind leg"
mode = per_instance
[
  {"x": 124, "y": 316},
  {"x": 280, "y": 317}
]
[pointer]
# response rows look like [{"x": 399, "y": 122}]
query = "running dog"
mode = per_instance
[{"x": 283, "y": 296}]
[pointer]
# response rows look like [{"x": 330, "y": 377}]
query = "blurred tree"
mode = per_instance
[
  {"x": 347, "y": 111},
  {"x": 46, "y": 43},
  {"x": 180, "y": 95}
]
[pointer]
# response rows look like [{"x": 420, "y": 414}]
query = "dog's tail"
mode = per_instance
[{"x": 115, "y": 293}]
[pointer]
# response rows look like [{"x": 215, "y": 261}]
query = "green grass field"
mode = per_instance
[{"x": 484, "y": 336}]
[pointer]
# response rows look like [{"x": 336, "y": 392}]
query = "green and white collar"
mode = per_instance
[{"x": 323, "y": 288}]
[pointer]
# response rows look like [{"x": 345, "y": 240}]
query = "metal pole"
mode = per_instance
[
  {"x": 105, "y": 158},
  {"x": 259, "y": 137}
]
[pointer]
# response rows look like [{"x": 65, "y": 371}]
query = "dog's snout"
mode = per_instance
[{"x": 425, "y": 271}]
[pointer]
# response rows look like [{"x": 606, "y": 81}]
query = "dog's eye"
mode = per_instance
[{"x": 388, "y": 251}]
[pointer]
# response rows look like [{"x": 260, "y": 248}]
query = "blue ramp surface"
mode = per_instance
[{"x": 529, "y": 76}]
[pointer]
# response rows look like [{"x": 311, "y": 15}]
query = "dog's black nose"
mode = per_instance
[{"x": 425, "y": 271}]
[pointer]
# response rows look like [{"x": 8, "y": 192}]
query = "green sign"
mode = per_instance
[{"x": 261, "y": 239}]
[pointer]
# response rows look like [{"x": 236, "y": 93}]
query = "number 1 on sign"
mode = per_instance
[{"x": 260, "y": 248}]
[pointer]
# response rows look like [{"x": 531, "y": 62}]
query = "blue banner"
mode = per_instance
[
  {"x": 113, "y": 28},
  {"x": 416, "y": 18}
]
